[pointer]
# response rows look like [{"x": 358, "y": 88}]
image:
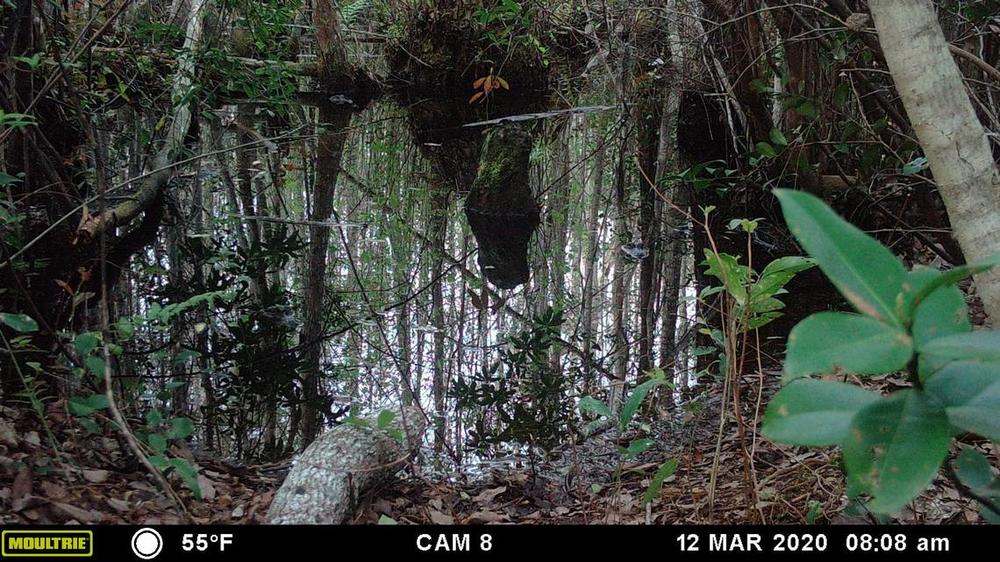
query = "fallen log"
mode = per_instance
[{"x": 341, "y": 466}]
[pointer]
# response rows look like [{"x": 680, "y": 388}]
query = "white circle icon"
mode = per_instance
[{"x": 147, "y": 543}]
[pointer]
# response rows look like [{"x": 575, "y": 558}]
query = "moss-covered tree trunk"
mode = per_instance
[{"x": 500, "y": 207}]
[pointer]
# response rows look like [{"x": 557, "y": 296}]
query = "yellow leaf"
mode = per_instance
[
  {"x": 503, "y": 83},
  {"x": 478, "y": 83},
  {"x": 475, "y": 97}
]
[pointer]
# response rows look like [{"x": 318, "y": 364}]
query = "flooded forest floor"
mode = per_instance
[{"x": 94, "y": 481}]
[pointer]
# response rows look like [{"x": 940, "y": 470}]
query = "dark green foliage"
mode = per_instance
[
  {"x": 521, "y": 399},
  {"x": 913, "y": 321}
]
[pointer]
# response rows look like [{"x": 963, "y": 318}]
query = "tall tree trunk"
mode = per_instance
[
  {"x": 329, "y": 152},
  {"x": 438, "y": 235},
  {"x": 618, "y": 292},
  {"x": 949, "y": 131},
  {"x": 335, "y": 120},
  {"x": 559, "y": 207},
  {"x": 673, "y": 222},
  {"x": 590, "y": 266}
]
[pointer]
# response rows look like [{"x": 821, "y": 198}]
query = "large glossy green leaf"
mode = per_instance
[
  {"x": 983, "y": 345},
  {"x": 970, "y": 393},
  {"x": 895, "y": 448},
  {"x": 923, "y": 282},
  {"x": 814, "y": 412},
  {"x": 941, "y": 313},
  {"x": 861, "y": 268},
  {"x": 827, "y": 341}
]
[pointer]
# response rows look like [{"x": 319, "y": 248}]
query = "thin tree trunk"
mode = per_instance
[
  {"x": 673, "y": 218},
  {"x": 438, "y": 235},
  {"x": 618, "y": 291},
  {"x": 590, "y": 266},
  {"x": 559, "y": 208}
]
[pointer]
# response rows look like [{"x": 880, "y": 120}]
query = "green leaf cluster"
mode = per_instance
[{"x": 914, "y": 321}]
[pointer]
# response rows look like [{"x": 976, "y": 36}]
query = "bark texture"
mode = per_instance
[
  {"x": 341, "y": 466},
  {"x": 946, "y": 125}
]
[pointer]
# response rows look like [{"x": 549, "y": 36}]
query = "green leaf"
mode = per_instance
[
  {"x": 185, "y": 355},
  {"x": 895, "y": 449},
  {"x": 826, "y": 341},
  {"x": 95, "y": 365},
  {"x": 924, "y": 281},
  {"x": 942, "y": 312},
  {"x": 159, "y": 462},
  {"x": 88, "y": 405},
  {"x": 727, "y": 269},
  {"x": 19, "y": 322},
  {"x": 85, "y": 343},
  {"x": 635, "y": 400},
  {"x": 157, "y": 442},
  {"x": 915, "y": 166},
  {"x": 665, "y": 471},
  {"x": 180, "y": 428},
  {"x": 124, "y": 328},
  {"x": 595, "y": 406},
  {"x": 153, "y": 419},
  {"x": 974, "y": 470},
  {"x": 983, "y": 345},
  {"x": 777, "y": 274},
  {"x": 188, "y": 473},
  {"x": 778, "y": 138},
  {"x": 970, "y": 393},
  {"x": 766, "y": 150},
  {"x": 635, "y": 448},
  {"x": 815, "y": 510},
  {"x": 385, "y": 417},
  {"x": 861, "y": 268},
  {"x": 7, "y": 179},
  {"x": 386, "y": 520},
  {"x": 90, "y": 425},
  {"x": 806, "y": 109},
  {"x": 814, "y": 412}
]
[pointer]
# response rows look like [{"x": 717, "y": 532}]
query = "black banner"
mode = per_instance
[{"x": 689, "y": 542}]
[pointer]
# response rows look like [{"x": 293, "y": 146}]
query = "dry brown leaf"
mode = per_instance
[
  {"x": 53, "y": 491},
  {"x": 439, "y": 518},
  {"x": 22, "y": 484},
  {"x": 8, "y": 435},
  {"x": 207, "y": 488},
  {"x": 96, "y": 476},
  {"x": 72, "y": 512},
  {"x": 485, "y": 517},
  {"x": 117, "y": 504},
  {"x": 65, "y": 286},
  {"x": 487, "y": 496}
]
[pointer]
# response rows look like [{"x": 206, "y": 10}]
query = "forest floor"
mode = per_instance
[{"x": 95, "y": 480}]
